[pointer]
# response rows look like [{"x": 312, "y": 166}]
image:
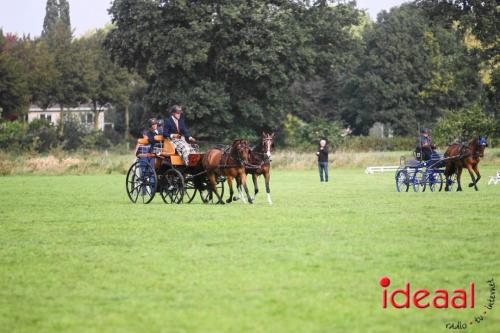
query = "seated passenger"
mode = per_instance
[
  {"x": 151, "y": 132},
  {"x": 175, "y": 129},
  {"x": 425, "y": 147}
]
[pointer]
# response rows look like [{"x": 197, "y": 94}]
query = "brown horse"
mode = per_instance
[
  {"x": 460, "y": 156},
  {"x": 229, "y": 163},
  {"x": 260, "y": 163}
]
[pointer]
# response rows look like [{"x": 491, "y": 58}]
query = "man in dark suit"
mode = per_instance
[{"x": 175, "y": 129}]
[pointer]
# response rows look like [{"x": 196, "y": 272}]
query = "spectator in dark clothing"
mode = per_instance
[{"x": 322, "y": 154}]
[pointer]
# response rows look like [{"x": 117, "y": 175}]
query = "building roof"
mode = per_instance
[{"x": 56, "y": 108}]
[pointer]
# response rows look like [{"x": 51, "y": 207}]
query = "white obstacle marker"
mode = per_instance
[
  {"x": 494, "y": 179},
  {"x": 372, "y": 169}
]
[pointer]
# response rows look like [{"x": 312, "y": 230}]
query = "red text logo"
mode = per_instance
[{"x": 406, "y": 297}]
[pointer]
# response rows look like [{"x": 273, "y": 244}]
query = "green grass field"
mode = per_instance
[{"x": 76, "y": 256}]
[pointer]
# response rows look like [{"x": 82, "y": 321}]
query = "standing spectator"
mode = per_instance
[{"x": 322, "y": 154}]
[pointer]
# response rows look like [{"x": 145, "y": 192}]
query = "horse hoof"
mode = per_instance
[
  {"x": 471, "y": 184},
  {"x": 235, "y": 198},
  {"x": 229, "y": 201}
]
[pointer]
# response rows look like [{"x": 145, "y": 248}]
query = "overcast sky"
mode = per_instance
[{"x": 26, "y": 16}]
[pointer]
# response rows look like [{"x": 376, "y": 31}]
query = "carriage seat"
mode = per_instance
[
  {"x": 436, "y": 160},
  {"x": 413, "y": 164}
]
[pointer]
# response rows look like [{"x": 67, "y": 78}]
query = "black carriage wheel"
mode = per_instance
[
  {"x": 435, "y": 181},
  {"x": 190, "y": 191},
  {"x": 419, "y": 181},
  {"x": 141, "y": 182},
  {"x": 207, "y": 196},
  {"x": 402, "y": 181},
  {"x": 172, "y": 189}
]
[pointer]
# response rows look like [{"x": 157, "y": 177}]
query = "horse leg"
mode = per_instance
[
  {"x": 459, "y": 174},
  {"x": 230, "y": 184},
  {"x": 244, "y": 182},
  {"x": 213, "y": 185},
  {"x": 447, "y": 174},
  {"x": 238, "y": 189},
  {"x": 255, "y": 185},
  {"x": 471, "y": 173},
  {"x": 267, "y": 177},
  {"x": 478, "y": 176}
]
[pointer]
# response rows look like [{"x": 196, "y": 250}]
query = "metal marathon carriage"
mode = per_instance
[
  {"x": 420, "y": 175},
  {"x": 159, "y": 169}
]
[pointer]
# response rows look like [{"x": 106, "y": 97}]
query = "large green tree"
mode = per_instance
[
  {"x": 105, "y": 83},
  {"x": 229, "y": 62},
  {"x": 411, "y": 71},
  {"x": 14, "y": 93},
  {"x": 51, "y": 17}
]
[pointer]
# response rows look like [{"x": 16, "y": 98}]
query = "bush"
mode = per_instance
[
  {"x": 370, "y": 143},
  {"x": 42, "y": 135},
  {"x": 13, "y": 135},
  {"x": 298, "y": 134},
  {"x": 464, "y": 124}
]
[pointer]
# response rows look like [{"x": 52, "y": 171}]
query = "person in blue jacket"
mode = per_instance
[{"x": 175, "y": 129}]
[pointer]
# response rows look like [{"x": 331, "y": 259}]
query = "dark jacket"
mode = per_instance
[
  {"x": 170, "y": 128},
  {"x": 323, "y": 154},
  {"x": 151, "y": 136}
]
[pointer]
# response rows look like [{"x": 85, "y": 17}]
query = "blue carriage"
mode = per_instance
[{"x": 420, "y": 175}]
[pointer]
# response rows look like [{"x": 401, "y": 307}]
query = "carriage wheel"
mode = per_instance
[
  {"x": 452, "y": 182},
  {"x": 190, "y": 191},
  {"x": 141, "y": 182},
  {"x": 402, "y": 180},
  {"x": 172, "y": 191},
  {"x": 207, "y": 196},
  {"x": 419, "y": 181},
  {"x": 435, "y": 181}
]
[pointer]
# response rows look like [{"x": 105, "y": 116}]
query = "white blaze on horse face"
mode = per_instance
[{"x": 268, "y": 152}]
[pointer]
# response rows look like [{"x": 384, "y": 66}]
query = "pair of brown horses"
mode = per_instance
[
  {"x": 459, "y": 156},
  {"x": 236, "y": 162}
]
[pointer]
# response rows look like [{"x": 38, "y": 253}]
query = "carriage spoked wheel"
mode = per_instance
[
  {"x": 452, "y": 182},
  {"x": 207, "y": 196},
  {"x": 141, "y": 182},
  {"x": 190, "y": 191},
  {"x": 402, "y": 180},
  {"x": 419, "y": 181},
  {"x": 172, "y": 189},
  {"x": 435, "y": 181}
]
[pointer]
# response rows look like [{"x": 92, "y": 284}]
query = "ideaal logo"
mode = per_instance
[{"x": 440, "y": 299}]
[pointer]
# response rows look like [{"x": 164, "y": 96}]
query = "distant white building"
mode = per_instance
[{"x": 83, "y": 112}]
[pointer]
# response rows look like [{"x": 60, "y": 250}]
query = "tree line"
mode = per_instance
[{"x": 301, "y": 68}]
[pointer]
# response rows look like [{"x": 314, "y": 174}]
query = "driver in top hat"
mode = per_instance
[{"x": 175, "y": 129}]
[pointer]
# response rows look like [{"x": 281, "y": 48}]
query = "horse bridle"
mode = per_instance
[{"x": 239, "y": 159}]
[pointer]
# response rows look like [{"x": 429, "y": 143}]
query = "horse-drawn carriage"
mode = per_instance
[
  {"x": 439, "y": 171},
  {"x": 419, "y": 175},
  {"x": 159, "y": 169}
]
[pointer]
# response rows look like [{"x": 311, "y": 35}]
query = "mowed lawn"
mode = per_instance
[{"x": 77, "y": 256}]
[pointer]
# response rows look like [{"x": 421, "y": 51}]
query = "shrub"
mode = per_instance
[
  {"x": 464, "y": 124},
  {"x": 42, "y": 135},
  {"x": 13, "y": 135}
]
